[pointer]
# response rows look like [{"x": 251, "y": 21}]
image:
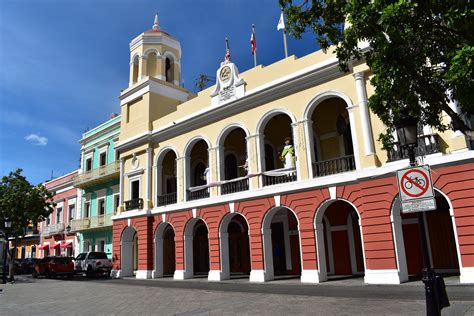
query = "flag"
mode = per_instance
[
  {"x": 253, "y": 42},
  {"x": 281, "y": 22},
  {"x": 227, "y": 54}
]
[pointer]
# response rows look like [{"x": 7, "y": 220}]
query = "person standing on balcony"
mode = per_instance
[{"x": 288, "y": 154}]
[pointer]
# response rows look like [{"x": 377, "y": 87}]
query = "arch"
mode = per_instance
[
  {"x": 161, "y": 176},
  {"x": 189, "y": 230},
  {"x": 308, "y": 112},
  {"x": 226, "y": 131},
  {"x": 225, "y": 247},
  {"x": 165, "y": 262},
  {"x": 355, "y": 241},
  {"x": 162, "y": 153},
  {"x": 135, "y": 61},
  {"x": 284, "y": 260},
  {"x": 400, "y": 230},
  {"x": 269, "y": 115},
  {"x": 190, "y": 144},
  {"x": 172, "y": 56},
  {"x": 127, "y": 250},
  {"x": 152, "y": 50}
]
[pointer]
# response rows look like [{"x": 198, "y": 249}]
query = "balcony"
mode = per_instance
[
  {"x": 197, "y": 193},
  {"x": 427, "y": 144},
  {"x": 135, "y": 204},
  {"x": 54, "y": 229},
  {"x": 96, "y": 176},
  {"x": 167, "y": 199},
  {"x": 90, "y": 223},
  {"x": 278, "y": 176},
  {"x": 235, "y": 185},
  {"x": 334, "y": 166}
]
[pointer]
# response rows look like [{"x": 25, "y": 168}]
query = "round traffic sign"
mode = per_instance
[{"x": 414, "y": 183}]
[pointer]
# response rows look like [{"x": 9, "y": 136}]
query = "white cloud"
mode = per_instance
[{"x": 37, "y": 140}]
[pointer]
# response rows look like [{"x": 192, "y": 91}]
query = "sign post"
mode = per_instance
[{"x": 416, "y": 189}]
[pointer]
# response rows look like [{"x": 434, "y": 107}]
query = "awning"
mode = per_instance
[
  {"x": 56, "y": 246},
  {"x": 44, "y": 247},
  {"x": 67, "y": 244}
]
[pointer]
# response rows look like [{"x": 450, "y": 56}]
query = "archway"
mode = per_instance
[
  {"x": 198, "y": 174},
  {"x": 196, "y": 247},
  {"x": 234, "y": 246},
  {"x": 281, "y": 243},
  {"x": 439, "y": 231},
  {"x": 339, "y": 241},
  {"x": 166, "y": 178},
  {"x": 129, "y": 251},
  {"x": 165, "y": 258}
]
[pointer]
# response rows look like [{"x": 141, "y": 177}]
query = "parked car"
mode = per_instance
[
  {"x": 51, "y": 267},
  {"x": 93, "y": 263},
  {"x": 28, "y": 265}
]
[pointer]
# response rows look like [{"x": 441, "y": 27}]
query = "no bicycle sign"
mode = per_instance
[{"x": 416, "y": 189}]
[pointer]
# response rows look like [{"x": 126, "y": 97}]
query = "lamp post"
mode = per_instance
[
  {"x": 8, "y": 224},
  {"x": 435, "y": 290}
]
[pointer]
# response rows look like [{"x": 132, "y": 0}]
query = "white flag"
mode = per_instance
[{"x": 281, "y": 23}]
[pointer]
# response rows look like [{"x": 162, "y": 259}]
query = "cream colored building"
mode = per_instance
[{"x": 237, "y": 129}]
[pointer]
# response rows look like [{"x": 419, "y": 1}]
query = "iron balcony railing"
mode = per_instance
[
  {"x": 427, "y": 144},
  {"x": 235, "y": 185},
  {"x": 278, "y": 176},
  {"x": 135, "y": 204},
  {"x": 80, "y": 224},
  {"x": 197, "y": 193},
  {"x": 167, "y": 199},
  {"x": 99, "y": 175},
  {"x": 334, "y": 166}
]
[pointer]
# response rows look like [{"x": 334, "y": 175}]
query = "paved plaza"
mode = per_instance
[{"x": 82, "y": 296}]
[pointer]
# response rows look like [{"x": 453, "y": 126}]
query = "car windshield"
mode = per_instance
[
  {"x": 81, "y": 256},
  {"x": 97, "y": 255}
]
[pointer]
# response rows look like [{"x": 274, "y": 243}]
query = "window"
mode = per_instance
[
  {"x": 72, "y": 210},
  {"x": 101, "y": 246},
  {"x": 59, "y": 215},
  {"x": 48, "y": 220},
  {"x": 88, "y": 164},
  {"x": 85, "y": 246},
  {"x": 103, "y": 159},
  {"x": 135, "y": 189},
  {"x": 116, "y": 202},
  {"x": 169, "y": 72},
  {"x": 87, "y": 207},
  {"x": 101, "y": 210},
  {"x": 117, "y": 155}
]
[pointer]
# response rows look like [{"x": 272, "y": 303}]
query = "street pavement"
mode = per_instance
[{"x": 82, "y": 296}]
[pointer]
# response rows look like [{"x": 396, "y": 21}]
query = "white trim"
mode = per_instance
[
  {"x": 150, "y": 86},
  {"x": 387, "y": 276},
  {"x": 232, "y": 207},
  {"x": 214, "y": 275},
  {"x": 467, "y": 275},
  {"x": 257, "y": 276},
  {"x": 277, "y": 200},
  {"x": 310, "y": 276},
  {"x": 154, "y": 38},
  {"x": 143, "y": 274},
  {"x": 332, "y": 192},
  {"x": 178, "y": 275}
]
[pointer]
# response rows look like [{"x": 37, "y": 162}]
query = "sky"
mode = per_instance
[{"x": 63, "y": 64}]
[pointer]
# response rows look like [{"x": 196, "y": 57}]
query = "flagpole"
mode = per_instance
[
  {"x": 284, "y": 42},
  {"x": 255, "y": 52}
]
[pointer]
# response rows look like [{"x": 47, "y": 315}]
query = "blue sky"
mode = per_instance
[{"x": 63, "y": 64}]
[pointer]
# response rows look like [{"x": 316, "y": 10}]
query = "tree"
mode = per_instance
[
  {"x": 23, "y": 204},
  {"x": 421, "y": 53}
]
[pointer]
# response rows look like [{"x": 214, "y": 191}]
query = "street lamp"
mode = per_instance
[
  {"x": 435, "y": 290},
  {"x": 8, "y": 224}
]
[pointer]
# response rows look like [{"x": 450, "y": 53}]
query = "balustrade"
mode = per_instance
[{"x": 334, "y": 166}]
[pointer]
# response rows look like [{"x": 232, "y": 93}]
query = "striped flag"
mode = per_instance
[{"x": 253, "y": 41}]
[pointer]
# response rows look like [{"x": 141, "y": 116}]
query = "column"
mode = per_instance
[
  {"x": 364, "y": 113},
  {"x": 254, "y": 164},
  {"x": 142, "y": 68},
  {"x": 122, "y": 163},
  {"x": 355, "y": 144},
  {"x": 214, "y": 165},
  {"x": 182, "y": 177},
  {"x": 149, "y": 162},
  {"x": 299, "y": 143}
]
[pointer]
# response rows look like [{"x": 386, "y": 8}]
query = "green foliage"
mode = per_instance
[
  {"x": 421, "y": 53},
  {"x": 22, "y": 203}
]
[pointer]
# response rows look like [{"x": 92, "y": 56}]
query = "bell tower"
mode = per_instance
[{"x": 155, "y": 54}]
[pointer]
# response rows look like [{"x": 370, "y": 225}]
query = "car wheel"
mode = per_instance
[
  {"x": 69, "y": 276},
  {"x": 89, "y": 272},
  {"x": 47, "y": 274},
  {"x": 108, "y": 274}
]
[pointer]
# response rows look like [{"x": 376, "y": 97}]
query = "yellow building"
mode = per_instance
[{"x": 207, "y": 185}]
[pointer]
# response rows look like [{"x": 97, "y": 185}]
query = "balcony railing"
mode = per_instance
[
  {"x": 427, "y": 144},
  {"x": 334, "y": 166},
  {"x": 235, "y": 185},
  {"x": 278, "y": 176},
  {"x": 99, "y": 175},
  {"x": 135, "y": 204},
  {"x": 91, "y": 222},
  {"x": 80, "y": 224},
  {"x": 167, "y": 199},
  {"x": 197, "y": 193},
  {"x": 56, "y": 229}
]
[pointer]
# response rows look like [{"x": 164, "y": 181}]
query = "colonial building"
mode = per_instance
[
  {"x": 98, "y": 182},
  {"x": 275, "y": 171},
  {"x": 56, "y": 236}
]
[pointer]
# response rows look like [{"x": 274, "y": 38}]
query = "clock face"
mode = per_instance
[{"x": 225, "y": 74}]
